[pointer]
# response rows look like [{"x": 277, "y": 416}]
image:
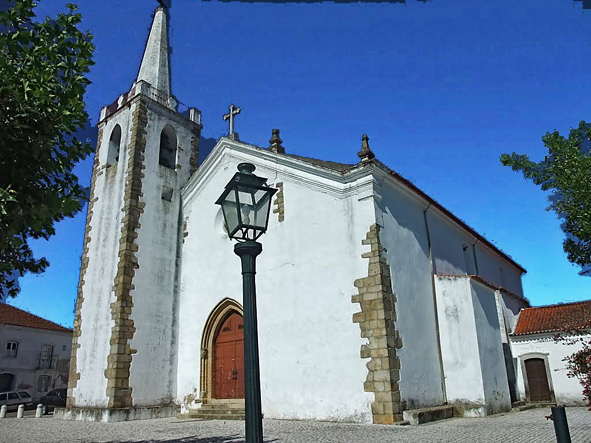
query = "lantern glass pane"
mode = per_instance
[
  {"x": 245, "y": 204},
  {"x": 263, "y": 202},
  {"x": 230, "y": 209}
]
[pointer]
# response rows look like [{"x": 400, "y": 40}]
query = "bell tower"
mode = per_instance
[{"x": 123, "y": 364}]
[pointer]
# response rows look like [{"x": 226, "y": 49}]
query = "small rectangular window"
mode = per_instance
[
  {"x": 2, "y": 397},
  {"x": 167, "y": 193},
  {"x": 45, "y": 359},
  {"x": 11, "y": 349},
  {"x": 13, "y": 396}
]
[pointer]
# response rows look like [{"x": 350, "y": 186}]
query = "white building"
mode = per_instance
[
  {"x": 541, "y": 369},
  {"x": 36, "y": 352},
  {"x": 373, "y": 299}
]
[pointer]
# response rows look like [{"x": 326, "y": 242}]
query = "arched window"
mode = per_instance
[
  {"x": 114, "y": 145},
  {"x": 168, "y": 147}
]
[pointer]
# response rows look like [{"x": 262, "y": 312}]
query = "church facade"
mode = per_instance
[{"x": 372, "y": 298}]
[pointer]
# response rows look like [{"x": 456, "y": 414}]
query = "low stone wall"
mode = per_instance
[{"x": 115, "y": 415}]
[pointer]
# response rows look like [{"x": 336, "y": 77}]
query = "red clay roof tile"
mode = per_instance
[
  {"x": 554, "y": 318},
  {"x": 9, "y": 315}
]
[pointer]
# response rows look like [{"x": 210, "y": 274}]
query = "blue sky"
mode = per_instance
[{"x": 442, "y": 88}]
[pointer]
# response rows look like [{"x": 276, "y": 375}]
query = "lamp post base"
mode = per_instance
[{"x": 248, "y": 252}]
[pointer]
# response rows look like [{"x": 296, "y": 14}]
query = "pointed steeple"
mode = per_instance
[{"x": 155, "y": 67}]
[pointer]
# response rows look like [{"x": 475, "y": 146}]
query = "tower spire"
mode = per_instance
[{"x": 155, "y": 67}]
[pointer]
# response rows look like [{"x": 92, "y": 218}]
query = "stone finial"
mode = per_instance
[
  {"x": 365, "y": 154},
  {"x": 276, "y": 143}
]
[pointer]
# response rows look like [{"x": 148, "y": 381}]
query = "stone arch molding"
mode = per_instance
[
  {"x": 543, "y": 356},
  {"x": 212, "y": 325}
]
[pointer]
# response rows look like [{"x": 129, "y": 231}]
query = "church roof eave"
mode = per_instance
[
  {"x": 417, "y": 191},
  {"x": 344, "y": 170},
  {"x": 553, "y": 318}
]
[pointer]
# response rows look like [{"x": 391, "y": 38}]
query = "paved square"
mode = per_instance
[{"x": 515, "y": 427}]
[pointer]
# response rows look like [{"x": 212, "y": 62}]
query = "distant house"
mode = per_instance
[
  {"x": 541, "y": 371},
  {"x": 35, "y": 354}
]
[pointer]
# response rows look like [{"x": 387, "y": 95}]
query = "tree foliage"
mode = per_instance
[
  {"x": 42, "y": 84},
  {"x": 566, "y": 172}
]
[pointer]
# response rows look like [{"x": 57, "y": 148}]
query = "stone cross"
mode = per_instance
[{"x": 233, "y": 111}]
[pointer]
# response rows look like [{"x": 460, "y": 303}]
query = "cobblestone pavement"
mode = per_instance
[{"x": 515, "y": 427}]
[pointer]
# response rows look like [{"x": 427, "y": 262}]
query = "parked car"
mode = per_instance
[
  {"x": 54, "y": 398},
  {"x": 12, "y": 399}
]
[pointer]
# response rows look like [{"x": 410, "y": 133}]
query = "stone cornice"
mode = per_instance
[
  {"x": 136, "y": 95},
  {"x": 357, "y": 181}
]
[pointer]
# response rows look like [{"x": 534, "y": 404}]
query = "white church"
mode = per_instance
[{"x": 393, "y": 305}]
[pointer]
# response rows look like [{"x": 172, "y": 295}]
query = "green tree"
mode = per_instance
[
  {"x": 42, "y": 84},
  {"x": 577, "y": 333},
  {"x": 566, "y": 173}
]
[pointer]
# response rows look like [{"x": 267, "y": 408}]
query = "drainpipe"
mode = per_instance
[
  {"x": 475, "y": 260},
  {"x": 443, "y": 388}
]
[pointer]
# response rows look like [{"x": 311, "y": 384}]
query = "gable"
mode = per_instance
[{"x": 338, "y": 179}]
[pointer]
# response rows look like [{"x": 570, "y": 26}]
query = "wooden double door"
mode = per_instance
[{"x": 228, "y": 375}]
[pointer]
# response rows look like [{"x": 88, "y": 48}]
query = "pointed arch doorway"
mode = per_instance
[
  {"x": 222, "y": 353},
  {"x": 228, "y": 354}
]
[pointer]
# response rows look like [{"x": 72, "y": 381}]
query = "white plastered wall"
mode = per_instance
[
  {"x": 448, "y": 239},
  {"x": 475, "y": 374},
  {"x": 25, "y": 366},
  {"x": 404, "y": 237},
  {"x": 309, "y": 346},
  {"x": 96, "y": 322},
  {"x": 153, "y": 366},
  {"x": 490, "y": 347},
  {"x": 567, "y": 390},
  {"x": 498, "y": 271}
]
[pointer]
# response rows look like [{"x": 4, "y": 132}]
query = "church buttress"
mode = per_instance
[{"x": 377, "y": 321}]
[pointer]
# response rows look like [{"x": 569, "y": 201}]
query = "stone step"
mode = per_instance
[
  {"x": 209, "y": 411},
  {"x": 209, "y": 406},
  {"x": 526, "y": 406},
  {"x": 223, "y": 410},
  {"x": 426, "y": 415},
  {"x": 201, "y": 416}
]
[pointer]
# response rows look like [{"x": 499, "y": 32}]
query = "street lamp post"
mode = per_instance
[{"x": 246, "y": 202}]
